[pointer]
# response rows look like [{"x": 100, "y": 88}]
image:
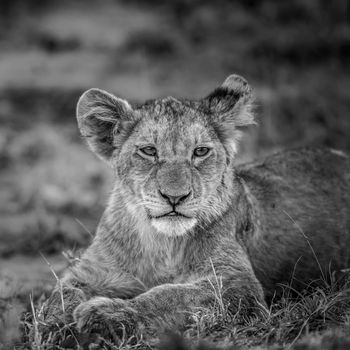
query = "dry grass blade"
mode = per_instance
[
  {"x": 218, "y": 289},
  {"x": 84, "y": 227},
  {"x": 57, "y": 279},
  {"x": 309, "y": 244},
  {"x": 36, "y": 336}
]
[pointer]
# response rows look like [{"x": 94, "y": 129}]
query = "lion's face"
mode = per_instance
[
  {"x": 173, "y": 164},
  {"x": 171, "y": 158}
]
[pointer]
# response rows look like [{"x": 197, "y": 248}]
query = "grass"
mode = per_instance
[{"x": 319, "y": 316}]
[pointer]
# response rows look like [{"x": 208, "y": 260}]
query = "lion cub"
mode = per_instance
[{"x": 181, "y": 214}]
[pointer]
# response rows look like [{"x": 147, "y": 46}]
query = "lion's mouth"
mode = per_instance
[
  {"x": 172, "y": 223},
  {"x": 171, "y": 214}
]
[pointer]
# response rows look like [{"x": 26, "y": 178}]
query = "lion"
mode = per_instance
[{"x": 182, "y": 214}]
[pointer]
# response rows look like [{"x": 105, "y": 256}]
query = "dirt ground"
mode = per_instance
[{"x": 52, "y": 189}]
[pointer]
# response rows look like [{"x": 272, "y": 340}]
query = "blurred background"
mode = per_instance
[{"x": 295, "y": 54}]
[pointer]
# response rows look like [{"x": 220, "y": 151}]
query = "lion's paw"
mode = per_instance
[{"x": 111, "y": 318}]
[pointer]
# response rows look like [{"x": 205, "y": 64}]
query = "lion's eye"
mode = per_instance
[
  {"x": 201, "y": 151},
  {"x": 149, "y": 151}
]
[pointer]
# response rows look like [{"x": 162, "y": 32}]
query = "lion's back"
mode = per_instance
[
  {"x": 321, "y": 162},
  {"x": 303, "y": 201}
]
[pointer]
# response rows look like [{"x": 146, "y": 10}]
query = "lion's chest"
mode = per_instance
[{"x": 159, "y": 266}]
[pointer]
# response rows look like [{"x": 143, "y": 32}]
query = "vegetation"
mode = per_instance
[{"x": 317, "y": 318}]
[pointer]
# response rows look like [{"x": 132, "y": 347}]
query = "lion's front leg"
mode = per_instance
[
  {"x": 81, "y": 283},
  {"x": 110, "y": 318},
  {"x": 160, "y": 308},
  {"x": 56, "y": 316},
  {"x": 169, "y": 306},
  {"x": 163, "y": 307}
]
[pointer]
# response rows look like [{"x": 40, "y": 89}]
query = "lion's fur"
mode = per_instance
[
  {"x": 257, "y": 225},
  {"x": 303, "y": 198}
]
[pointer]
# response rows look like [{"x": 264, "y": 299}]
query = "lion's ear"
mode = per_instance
[
  {"x": 232, "y": 102},
  {"x": 230, "y": 107},
  {"x": 102, "y": 117}
]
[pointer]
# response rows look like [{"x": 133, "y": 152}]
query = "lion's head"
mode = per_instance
[{"x": 172, "y": 158}]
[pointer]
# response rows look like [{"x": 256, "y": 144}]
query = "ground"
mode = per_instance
[{"x": 296, "y": 55}]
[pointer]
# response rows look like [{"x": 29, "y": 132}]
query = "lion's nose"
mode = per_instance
[{"x": 175, "y": 200}]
